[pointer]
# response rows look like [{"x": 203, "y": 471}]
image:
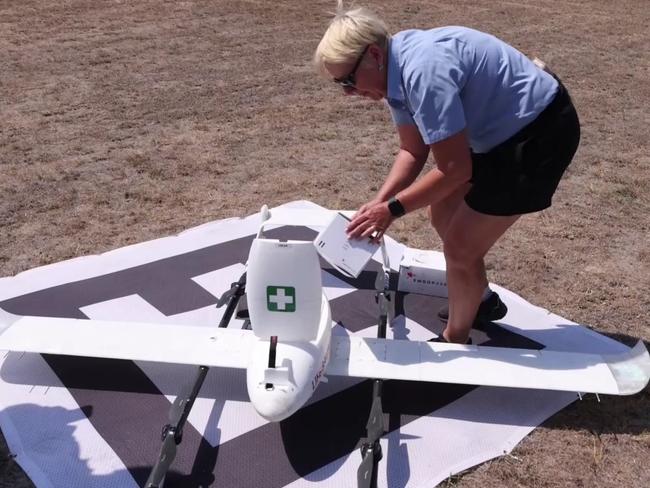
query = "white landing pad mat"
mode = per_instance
[{"x": 94, "y": 423}]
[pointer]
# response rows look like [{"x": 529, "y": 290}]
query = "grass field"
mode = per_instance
[{"x": 127, "y": 121}]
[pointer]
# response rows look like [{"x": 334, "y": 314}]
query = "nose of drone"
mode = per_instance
[{"x": 276, "y": 410}]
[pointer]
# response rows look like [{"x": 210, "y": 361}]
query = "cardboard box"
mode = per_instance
[
  {"x": 349, "y": 256},
  {"x": 423, "y": 272}
]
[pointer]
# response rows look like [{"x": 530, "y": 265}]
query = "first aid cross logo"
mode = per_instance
[{"x": 281, "y": 298}]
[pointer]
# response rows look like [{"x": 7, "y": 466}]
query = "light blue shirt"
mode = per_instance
[{"x": 447, "y": 79}]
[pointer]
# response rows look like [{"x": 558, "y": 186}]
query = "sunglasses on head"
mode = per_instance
[{"x": 349, "y": 81}]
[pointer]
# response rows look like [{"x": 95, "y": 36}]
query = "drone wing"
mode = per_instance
[
  {"x": 617, "y": 374},
  {"x": 137, "y": 341},
  {"x": 620, "y": 374}
]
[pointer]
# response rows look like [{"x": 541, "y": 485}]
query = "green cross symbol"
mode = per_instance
[{"x": 281, "y": 298}]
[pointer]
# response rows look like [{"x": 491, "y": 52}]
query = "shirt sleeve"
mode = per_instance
[
  {"x": 400, "y": 113},
  {"x": 433, "y": 93}
]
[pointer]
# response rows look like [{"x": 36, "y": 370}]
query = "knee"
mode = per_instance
[
  {"x": 441, "y": 213},
  {"x": 459, "y": 252}
]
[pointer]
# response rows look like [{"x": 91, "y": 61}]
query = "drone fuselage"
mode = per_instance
[{"x": 291, "y": 320}]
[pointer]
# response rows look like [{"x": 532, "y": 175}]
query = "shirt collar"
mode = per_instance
[{"x": 394, "y": 90}]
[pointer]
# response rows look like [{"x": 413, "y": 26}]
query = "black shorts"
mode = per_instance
[{"x": 521, "y": 174}]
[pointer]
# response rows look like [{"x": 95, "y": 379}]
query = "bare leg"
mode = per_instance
[
  {"x": 440, "y": 215},
  {"x": 467, "y": 239}
]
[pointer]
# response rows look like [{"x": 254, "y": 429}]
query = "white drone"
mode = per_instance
[{"x": 290, "y": 349}]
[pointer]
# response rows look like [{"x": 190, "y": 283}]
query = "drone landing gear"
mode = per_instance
[{"x": 172, "y": 433}]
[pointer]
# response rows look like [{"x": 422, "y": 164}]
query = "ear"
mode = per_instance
[{"x": 377, "y": 54}]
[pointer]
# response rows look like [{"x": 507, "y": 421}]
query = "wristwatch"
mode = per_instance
[{"x": 395, "y": 207}]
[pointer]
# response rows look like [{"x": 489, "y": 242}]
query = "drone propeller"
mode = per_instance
[
  {"x": 375, "y": 426},
  {"x": 232, "y": 296},
  {"x": 172, "y": 433},
  {"x": 225, "y": 298},
  {"x": 167, "y": 454},
  {"x": 367, "y": 472},
  {"x": 371, "y": 449}
]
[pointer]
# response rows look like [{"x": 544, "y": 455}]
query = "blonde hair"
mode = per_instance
[{"x": 348, "y": 34}]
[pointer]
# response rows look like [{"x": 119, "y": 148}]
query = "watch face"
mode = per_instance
[{"x": 395, "y": 207}]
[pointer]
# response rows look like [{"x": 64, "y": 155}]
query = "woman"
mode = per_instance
[{"x": 501, "y": 130}]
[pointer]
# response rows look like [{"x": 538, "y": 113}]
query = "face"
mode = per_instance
[{"x": 365, "y": 76}]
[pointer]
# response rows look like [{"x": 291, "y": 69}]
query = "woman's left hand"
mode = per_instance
[{"x": 372, "y": 221}]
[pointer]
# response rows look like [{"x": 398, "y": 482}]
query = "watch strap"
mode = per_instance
[{"x": 395, "y": 207}]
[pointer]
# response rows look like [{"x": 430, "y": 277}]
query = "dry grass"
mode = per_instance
[{"x": 127, "y": 121}]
